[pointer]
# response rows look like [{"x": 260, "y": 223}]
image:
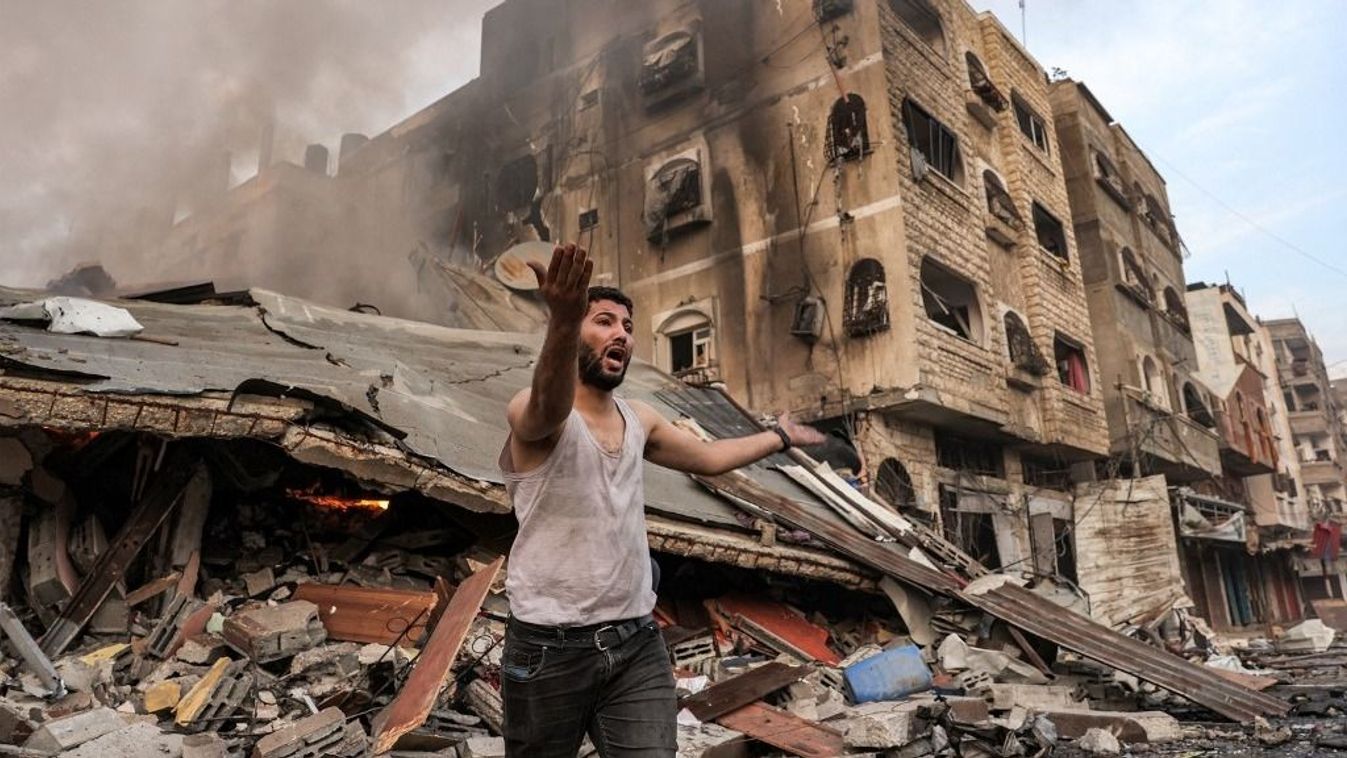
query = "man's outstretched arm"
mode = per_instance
[
  {"x": 678, "y": 449},
  {"x": 538, "y": 412}
]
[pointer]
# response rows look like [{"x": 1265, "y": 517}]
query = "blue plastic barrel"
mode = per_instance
[{"x": 891, "y": 675}]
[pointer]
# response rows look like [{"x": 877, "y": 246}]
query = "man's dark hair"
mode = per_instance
[{"x": 612, "y": 294}]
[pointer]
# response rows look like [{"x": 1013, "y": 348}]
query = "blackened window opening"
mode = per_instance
[
  {"x": 894, "y": 485},
  {"x": 866, "y": 306},
  {"x": 969, "y": 455},
  {"x": 517, "y": 183},
  {"x": 672, "y": 59},
  {"x": 950, "y": 300},
  {"x": 935, "y": 143},
  {"x": 974, "y": 533},
  {"x": 1050, "y": 232},
  {"x": 923, "y": 19},
  {"x": 847, "y": 138}
]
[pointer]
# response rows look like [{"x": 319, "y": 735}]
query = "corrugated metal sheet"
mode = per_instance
[
  {"x": 442, "y": 390},
  {"x": 1127, "y": 557},
  {"x": 1025, "y": 610}
]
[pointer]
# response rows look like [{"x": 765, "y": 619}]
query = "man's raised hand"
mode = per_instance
[
  {"x": 801, "y": 435},
  {"x": 564, "y": 285}
]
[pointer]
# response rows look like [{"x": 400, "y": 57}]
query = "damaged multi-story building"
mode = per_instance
[
  {"x": 880, "y": 215},
  {"x": 854, "y": 211},
  {"x": 1244, "y": 535},
  {"x": 1318, "y": 443}
]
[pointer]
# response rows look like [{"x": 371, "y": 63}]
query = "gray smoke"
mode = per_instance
[{"x": 109, "y": 112}]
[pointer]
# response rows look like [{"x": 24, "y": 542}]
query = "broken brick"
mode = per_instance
[{"x": 270, "y": 633}]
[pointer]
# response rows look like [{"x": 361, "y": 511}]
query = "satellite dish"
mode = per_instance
[{"x": 512, "y": 266}]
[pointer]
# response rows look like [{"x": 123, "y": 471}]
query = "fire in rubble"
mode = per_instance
[
  {"x": 337, "y": 502},
  {"x": 68, "y": 439}
]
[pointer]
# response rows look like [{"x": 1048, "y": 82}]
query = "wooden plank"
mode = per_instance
[
  {"x": 784, "y": 731},
  {"x": 369, "y": 614},
  {"x": 151, "y": 589},
  {"x": 417, "y": 697},
  {"x": 733, "y": 694}
]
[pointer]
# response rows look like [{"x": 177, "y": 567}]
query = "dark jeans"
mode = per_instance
[{"x": 554, "y": 693}]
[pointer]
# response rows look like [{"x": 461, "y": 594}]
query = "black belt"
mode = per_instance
[{"x": 597, "y": 636}]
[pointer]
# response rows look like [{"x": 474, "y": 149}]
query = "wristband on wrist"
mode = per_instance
[{"x": 785, "y": 438}]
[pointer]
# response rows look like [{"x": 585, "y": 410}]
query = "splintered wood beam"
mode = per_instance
[
  {"x": 417, "y": 697},
  {"x": 150, "y": 513}
]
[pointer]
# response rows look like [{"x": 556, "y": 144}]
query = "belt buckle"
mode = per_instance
[{"x": 598, "y": 640}]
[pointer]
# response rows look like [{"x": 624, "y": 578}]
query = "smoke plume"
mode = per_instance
[{"x": 114, "y": 113}]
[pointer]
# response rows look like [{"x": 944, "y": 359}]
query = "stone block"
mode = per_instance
[
  {"x": 1038, "y": 697},
  {"x": 1130, "y": 727},
  {"x": 482, "y": 747},
  {"x": 883, "y": 724},
  {"x": 322, "y": 734},
  {"x": 137, "y": 740},
  {"x": 71, "y": 731},
  {"x": 259, "y": 581},
  {"x": 270, "y": 633}
]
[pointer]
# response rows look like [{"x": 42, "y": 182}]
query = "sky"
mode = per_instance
[{"x": 1237, "y": 102}]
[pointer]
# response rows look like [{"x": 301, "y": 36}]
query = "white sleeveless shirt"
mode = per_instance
[{"x": 581, "y": 555}]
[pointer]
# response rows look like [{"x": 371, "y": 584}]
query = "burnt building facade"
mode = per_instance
[{"x": 851, "y": 210}]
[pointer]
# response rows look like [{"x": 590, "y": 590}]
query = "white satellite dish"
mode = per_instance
[{"x": 512, "y": 266}]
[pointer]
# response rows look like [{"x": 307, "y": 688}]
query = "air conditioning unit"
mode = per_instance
[{"x": 808, "y": 322}]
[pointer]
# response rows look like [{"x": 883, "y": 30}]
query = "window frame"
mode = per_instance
[
  {"x": 1032, "y": 125},
  {"x": 938, "y": 137}
]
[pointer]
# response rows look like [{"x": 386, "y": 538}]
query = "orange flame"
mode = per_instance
[{"x": 337, "y": 502}]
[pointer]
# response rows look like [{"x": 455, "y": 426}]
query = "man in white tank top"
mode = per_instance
[{"x": 582, "y": 653}]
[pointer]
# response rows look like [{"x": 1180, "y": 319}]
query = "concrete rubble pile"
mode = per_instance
[{"x": 271, "y": 573}]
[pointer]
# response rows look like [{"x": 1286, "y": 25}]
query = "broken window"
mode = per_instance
[
  {"x": 674, "y": 189},
  {"x": 999, "y": 202},
  {"x": 921, "y": 17},
  {"x": 982, "y": 83},
  {"x": 1072, "y": 370},
  {"x": 1046, "y": 473},
  {"x": 866, "y": 307},
  {"x": 1030, "y": 122},
  {"x": 932, "y": 144},
  {"x": 973, "y": 533},
  {"x": 950, "y": 300},
  {"x": 1051, "y": 234},
  {"x": 1175, "y": 307},
  {"x": 690, "y": 336},
  {"x": 827, "y": 10},
  {"x": 847, "y": 137},
  {"x": 894, "y": 485},
  {"x": 1024, "y": 353},
  {"x": 668, "y": 60},
  {"x": 969, "y": 455},
  {"x": 1135, "y": 276},
  {"x": 1108, "y": 177},
  {"x": 517, "y": 184}
]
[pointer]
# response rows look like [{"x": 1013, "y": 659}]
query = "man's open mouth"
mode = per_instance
[{"x": 614, "y": 359}]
